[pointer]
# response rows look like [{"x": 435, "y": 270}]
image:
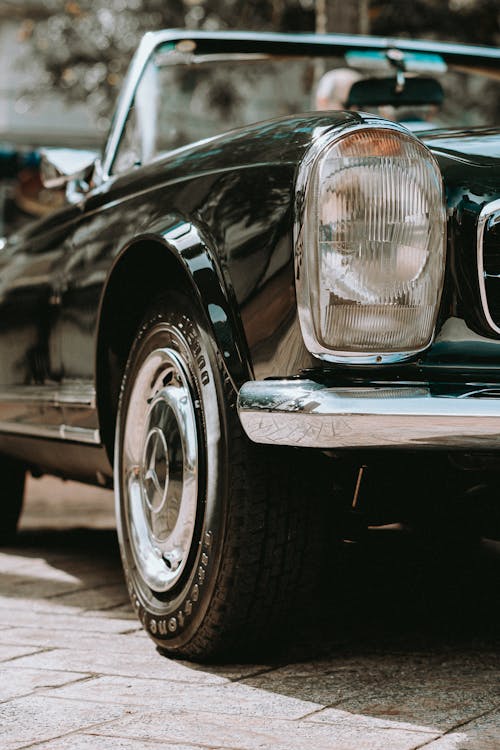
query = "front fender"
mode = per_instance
[
  {"x": 196, "y": 253},
  {"x": 172, "y": 251}
]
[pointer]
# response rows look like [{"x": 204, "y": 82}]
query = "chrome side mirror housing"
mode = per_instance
[{"x": 60, "y": 166}]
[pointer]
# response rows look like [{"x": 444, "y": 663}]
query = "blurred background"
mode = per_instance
[{"x": 63, "y": 61}]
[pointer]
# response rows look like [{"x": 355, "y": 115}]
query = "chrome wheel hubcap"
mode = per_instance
[{"x": 160, "y": 465}]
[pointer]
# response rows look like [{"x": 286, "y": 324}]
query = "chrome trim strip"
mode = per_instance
[
  {"x": 305, "y": 413},
  {"x": 76, "y": 393},
  {"x": 80, "y": 434},
  {"x": 57, "y": 411},
  {"x": 486, "y": 213},
  {"x": 52, "y": 432}
]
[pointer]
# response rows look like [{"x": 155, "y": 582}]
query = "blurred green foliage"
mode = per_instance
[
  {"x": 472, "y": 21},
  {"x": 83, "y": 47}
]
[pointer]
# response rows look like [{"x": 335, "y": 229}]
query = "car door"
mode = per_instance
[{"x": 30, "y": 367}]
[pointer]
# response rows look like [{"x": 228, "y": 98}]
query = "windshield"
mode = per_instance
[{"x": 185, "y": 98}]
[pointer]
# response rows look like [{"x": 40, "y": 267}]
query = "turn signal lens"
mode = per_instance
[{"x": 373, "y": 245}]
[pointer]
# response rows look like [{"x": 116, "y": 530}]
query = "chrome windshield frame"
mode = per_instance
[{"x": 267, "y": 43}]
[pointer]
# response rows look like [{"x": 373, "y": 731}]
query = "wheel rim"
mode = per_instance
[{"x": 160, "y": 469}]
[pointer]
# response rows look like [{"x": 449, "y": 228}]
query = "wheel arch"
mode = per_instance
[{"x": 175, "y": 256}]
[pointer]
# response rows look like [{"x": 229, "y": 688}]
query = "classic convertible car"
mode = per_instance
[{"x": 252, "y": 317}]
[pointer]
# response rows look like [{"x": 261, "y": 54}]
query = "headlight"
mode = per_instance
[{"x": 370, "y": 248}]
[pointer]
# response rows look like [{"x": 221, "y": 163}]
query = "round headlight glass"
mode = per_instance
[{"x": 373, "y": 245}]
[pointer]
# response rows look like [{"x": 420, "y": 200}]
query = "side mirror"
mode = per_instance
[{"x": 60, "y": 166}]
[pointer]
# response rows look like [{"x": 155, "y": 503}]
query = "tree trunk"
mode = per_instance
[{"x": 342, "y": 16}]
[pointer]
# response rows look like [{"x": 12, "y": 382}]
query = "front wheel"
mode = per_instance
[{"x": 219, "y": 538}]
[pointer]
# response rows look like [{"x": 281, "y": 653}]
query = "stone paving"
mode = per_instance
[{"x": 400, "y": 653}]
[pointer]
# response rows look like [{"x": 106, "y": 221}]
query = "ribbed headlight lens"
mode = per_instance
[{"x": 373, "y": 247}]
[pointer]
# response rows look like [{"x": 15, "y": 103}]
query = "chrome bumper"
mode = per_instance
[{"x": 305, "y": 413}]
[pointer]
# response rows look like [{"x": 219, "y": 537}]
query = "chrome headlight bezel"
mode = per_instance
[{"x": 305, "y": 207}]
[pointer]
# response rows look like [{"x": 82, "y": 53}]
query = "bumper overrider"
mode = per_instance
[{"x": 309, "y": 414}]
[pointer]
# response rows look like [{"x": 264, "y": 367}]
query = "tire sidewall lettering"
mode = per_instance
[{"x": 164, "y": 627}]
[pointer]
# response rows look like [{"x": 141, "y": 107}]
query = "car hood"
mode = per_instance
[
  {"x": 479, "y": 146},
  {"x": 470, "y": 164}
]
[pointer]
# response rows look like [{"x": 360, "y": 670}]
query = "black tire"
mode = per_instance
[
  {"x": 258, "y": 531},
  {"x": 11, "y": 503}
]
